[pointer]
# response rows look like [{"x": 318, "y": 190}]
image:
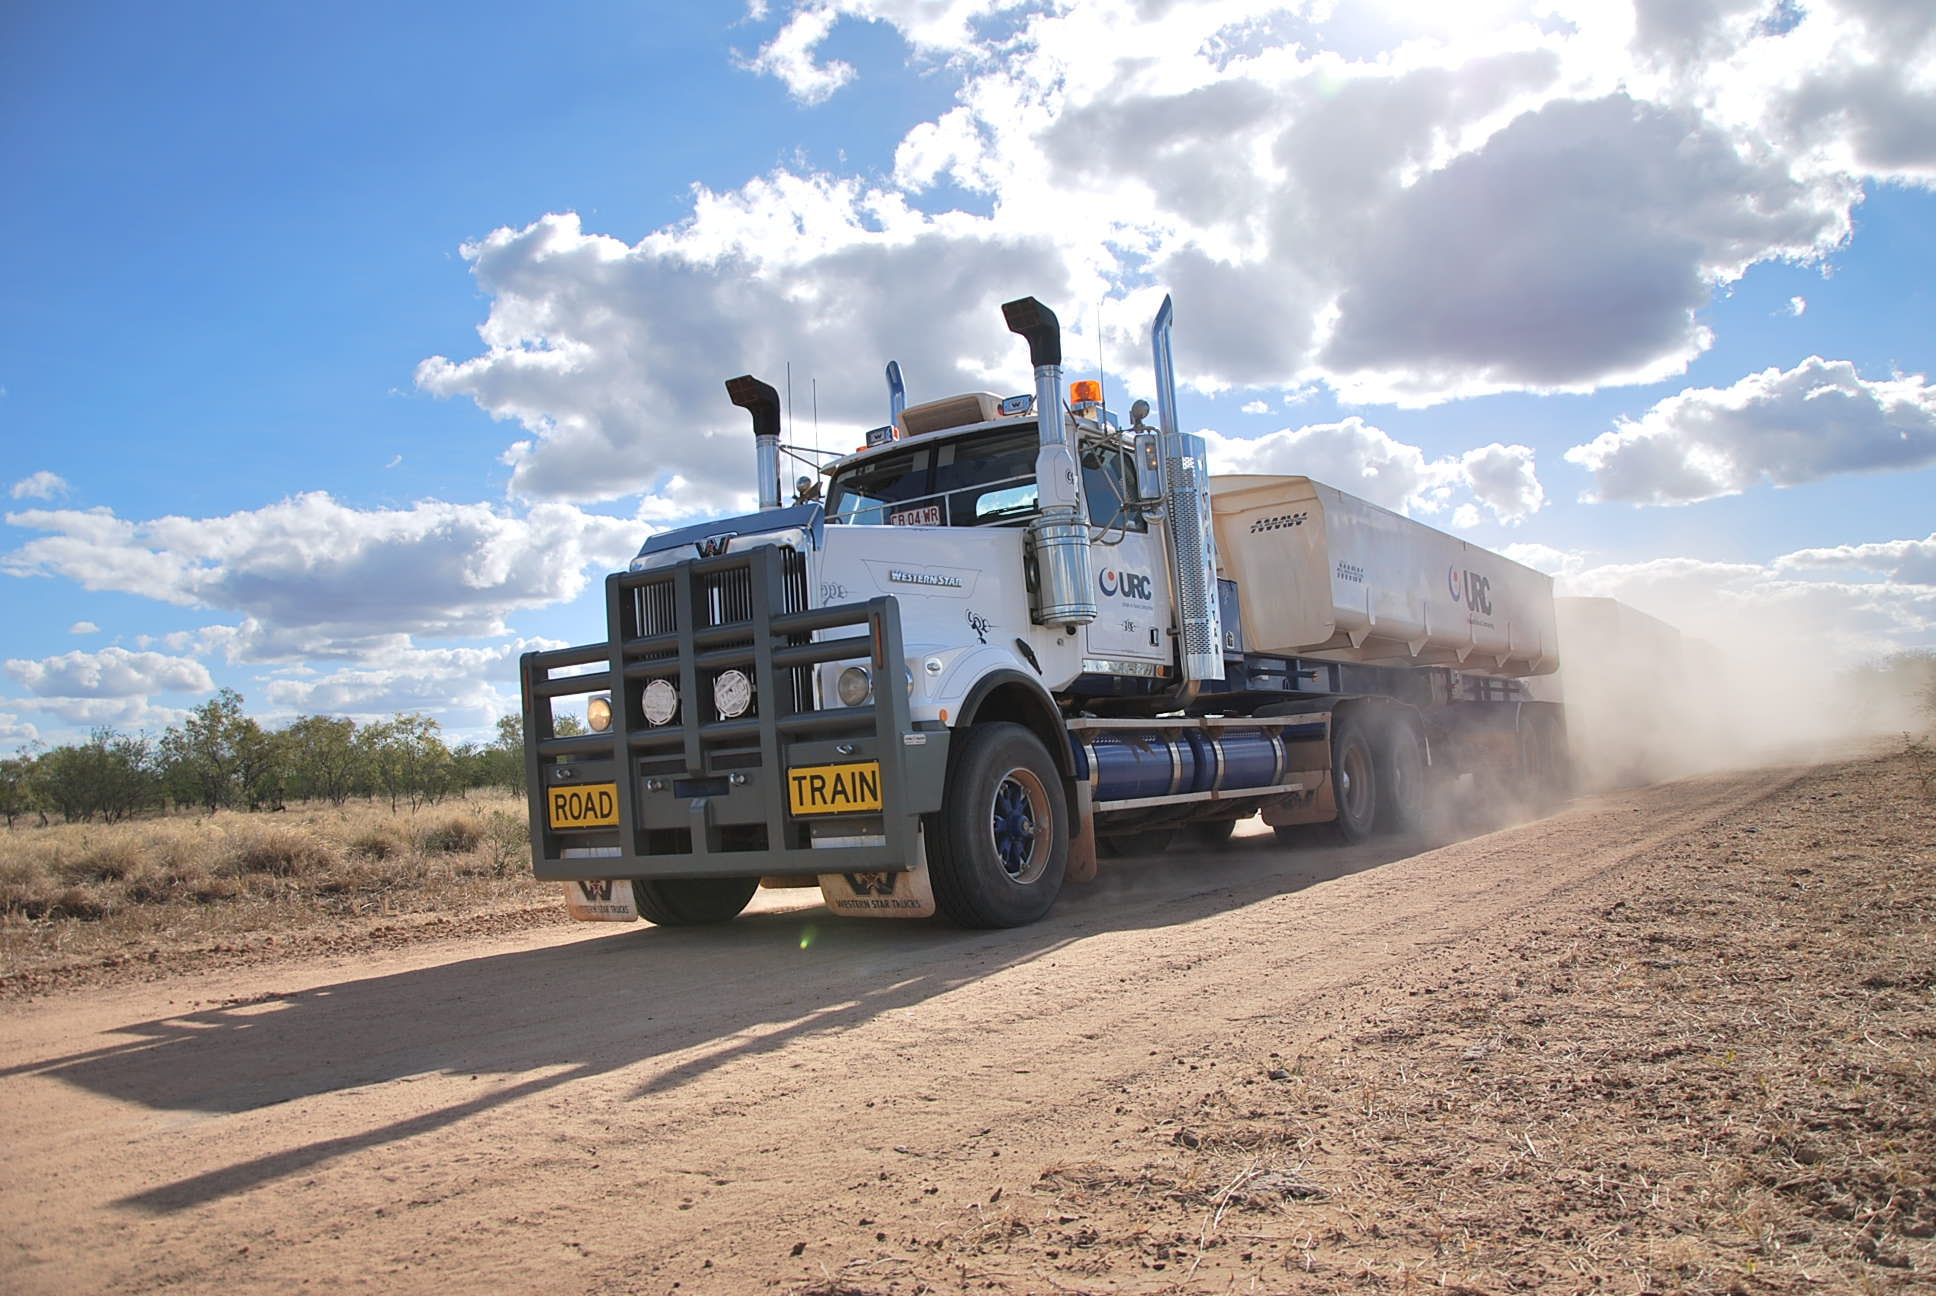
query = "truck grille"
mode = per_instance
[{"x": 726, "y": 598}]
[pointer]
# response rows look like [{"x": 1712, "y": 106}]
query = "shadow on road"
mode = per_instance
[{"x": 599, "y": 1006}]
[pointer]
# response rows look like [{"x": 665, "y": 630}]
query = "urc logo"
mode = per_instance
[
  {"x": 1474, "y": 590},
  {"x": 1132, "y": 585}
]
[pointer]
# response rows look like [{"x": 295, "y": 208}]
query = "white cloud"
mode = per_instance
[
  {"x": 124, "y": 713},
  {"x": 469, "y": 687},
  {"x": 42, "y": 485},
  {"x": 1784, "y": 428},
  {"x": 1759, "y": 611},
  {"x": 1797, "y": 306},
  {"x": 312, "y": 576},
  {"x": 614, "y": 357},
  {"x": 1527, "y": 207},
  {"x": 1907, "y": 562},
  {"x": 790, "y": 56},
  {"x": 84, "y": 628},
  {"x": 15, "y": 731},
  {"x": 1256, "y": 407},
  {"x": 1366, "y": 461},
  {"x": 110, "y": 673}
]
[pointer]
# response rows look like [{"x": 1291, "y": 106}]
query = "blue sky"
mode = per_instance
[{"x": 347, "y": 347}]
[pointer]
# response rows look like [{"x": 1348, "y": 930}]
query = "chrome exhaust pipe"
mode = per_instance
[
  {"x": 1192, "y": 547},
  {"x": 1058, "y": 538}
]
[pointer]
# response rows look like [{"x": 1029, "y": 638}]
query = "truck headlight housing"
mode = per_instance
[
  {"x": 732, "y": 693},
  {"x": 598, "y": 714},
  {"x": 854, "y": 686},
  {"x": 660, "y": 703}
]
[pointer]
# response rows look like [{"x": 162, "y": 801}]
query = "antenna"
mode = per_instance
[
  {"x": 1102, "y": 376},
  {"x": 816, "y": 413},
  {"x": 789, "y": 385}
]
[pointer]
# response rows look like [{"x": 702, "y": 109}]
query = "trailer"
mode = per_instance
[{"x": 1013, "y": 637}]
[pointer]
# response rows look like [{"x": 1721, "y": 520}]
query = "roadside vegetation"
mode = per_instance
[{"x": 220, "y": 828}]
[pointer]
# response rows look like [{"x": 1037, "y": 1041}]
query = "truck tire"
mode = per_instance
[
  {"x": 1354, "y": 777},
  {"x": 1401, "y": 779},
  {"x": 999, "y": 845},
  {"x": 1545, "y": 775},
  {"x": 692, "y": 902}
]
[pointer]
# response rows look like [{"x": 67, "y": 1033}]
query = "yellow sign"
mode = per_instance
[
  {"x": 834, "y": 789},
  {"x": 591, "y": 805}
]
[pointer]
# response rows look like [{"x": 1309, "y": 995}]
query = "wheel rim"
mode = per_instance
[
  {"x": 1020, "y": 829},
  {"x": 1354, "y": 781}
]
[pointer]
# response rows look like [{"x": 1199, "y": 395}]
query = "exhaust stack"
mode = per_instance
[
  {"x": 749, "y": 393},
  {"x": 896, "y": 394},
  {"x": 1058, "y": 538},
  {"x": 1192, "y": 539}
]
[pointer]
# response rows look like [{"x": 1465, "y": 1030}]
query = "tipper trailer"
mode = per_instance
[{"x": 1015, "y": 636}]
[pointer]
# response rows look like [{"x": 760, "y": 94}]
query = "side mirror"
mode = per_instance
[{"x": 1148, "y": 484}]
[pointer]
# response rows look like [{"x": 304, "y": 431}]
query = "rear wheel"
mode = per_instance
[
  {"x": 1545, "y": 776},
  {"x": 1401, "y": 783},
  {"x": 692, "y": 902},
  {"x": 1354, "y": 778},
  {"x": 998, "y": 848}
]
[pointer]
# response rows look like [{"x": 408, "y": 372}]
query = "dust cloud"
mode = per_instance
[{"x": 1645, "y": 703}]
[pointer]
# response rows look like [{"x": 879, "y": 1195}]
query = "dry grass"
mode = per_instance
[{"x": 74, "y": 892}]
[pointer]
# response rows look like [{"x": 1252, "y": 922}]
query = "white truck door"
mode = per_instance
[{"x": 1131, "y": 576}]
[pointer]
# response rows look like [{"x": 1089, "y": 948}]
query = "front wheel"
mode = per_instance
[
  {"x": 692, "y": 902},
  {"x": 998, "y": 848}
]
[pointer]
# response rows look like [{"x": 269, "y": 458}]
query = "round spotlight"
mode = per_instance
[
  {"x": 661, "y": 702},
  {"x": 732, "y": 693},
  {"x": 854, "y": 686},
  {"x": 598, "y": 714}
]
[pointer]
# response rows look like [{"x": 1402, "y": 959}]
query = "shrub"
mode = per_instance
[
  {"x": 457, "y": 835},
  {"x": 108, "y": 860},
  {"x": 277, "y": 851},
  {"x": 375, "y": 843}
]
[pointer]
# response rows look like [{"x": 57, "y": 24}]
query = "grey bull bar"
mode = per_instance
[{"x": 706, "y": 795}]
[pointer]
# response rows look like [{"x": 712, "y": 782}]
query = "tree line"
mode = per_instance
[{"x": 218, "y": 758}]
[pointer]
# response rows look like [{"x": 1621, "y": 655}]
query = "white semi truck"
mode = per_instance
[{"x": 1013, "y": 636}]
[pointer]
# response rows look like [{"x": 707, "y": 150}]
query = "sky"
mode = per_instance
[{"x": 346, "y": 348}]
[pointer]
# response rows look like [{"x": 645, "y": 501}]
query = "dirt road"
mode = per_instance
[{"x": 1257, "y": 1071}]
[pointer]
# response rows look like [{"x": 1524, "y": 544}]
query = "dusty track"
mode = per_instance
[{"x": 792, "y": 1102}]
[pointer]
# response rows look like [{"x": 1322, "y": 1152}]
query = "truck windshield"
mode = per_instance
[{"x": 983, "y": 480}]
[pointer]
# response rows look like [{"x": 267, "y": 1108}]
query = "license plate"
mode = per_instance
[
  {"x": 834, "y": 789},
  {"x": 589, "y": 805}
]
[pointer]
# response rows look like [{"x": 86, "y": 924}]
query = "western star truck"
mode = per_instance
[{"x": 1013, "y": 637}]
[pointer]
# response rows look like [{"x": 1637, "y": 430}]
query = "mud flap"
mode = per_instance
[
  {"x": 601, "y": 900},
  {"x": 908, "y": 894}
]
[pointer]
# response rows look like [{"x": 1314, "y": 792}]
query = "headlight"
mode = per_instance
[
  {"x": 598, "y": 714},
  {"x": 854, "y": 686},
  {"x": 732, "y": 693},
  {"x": 661, "y": 701}
]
